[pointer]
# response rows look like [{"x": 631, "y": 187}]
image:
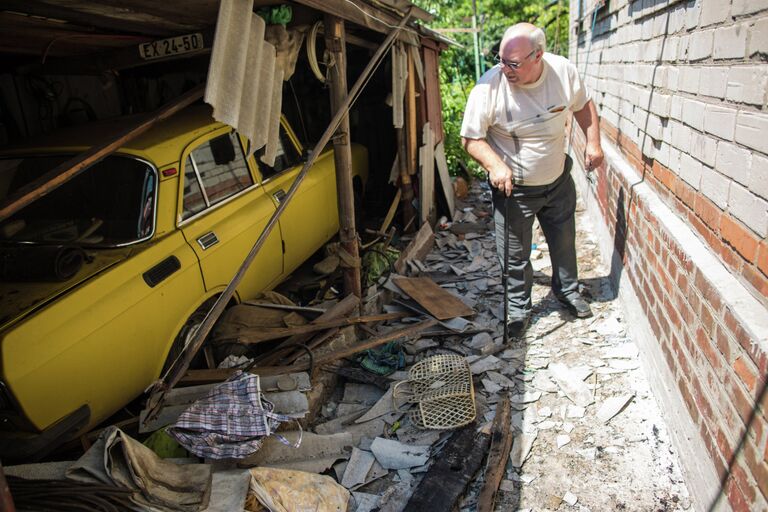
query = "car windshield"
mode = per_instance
[{"x": 111, "y": 203}]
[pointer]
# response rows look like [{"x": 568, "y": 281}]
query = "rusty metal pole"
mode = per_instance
[{"x": 342, "y": 154}]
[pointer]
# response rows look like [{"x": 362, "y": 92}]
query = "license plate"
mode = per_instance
[{"x": 171, "y": 46}]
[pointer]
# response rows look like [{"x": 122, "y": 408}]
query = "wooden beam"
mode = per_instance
[
  {"x": 342, "y": 155},
  {"x": 454, "y": 467},
  {"x": 252, "y": 337},
  {"x": 220, "y": 374},
  {"x": 501, "y": 444},
  {"x": 74, "y": 166},
  {"x": 410, "y": 117},
  {"x": 360, "y": 13},
  {"x": 178, "y": 370}
]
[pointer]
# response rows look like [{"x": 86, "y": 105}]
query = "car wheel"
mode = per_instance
[{"x": 185, "y": 336}]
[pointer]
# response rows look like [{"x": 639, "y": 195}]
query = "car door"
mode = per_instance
[
  {"x": 311, "y": 218},
  {"x": 223, "y": 210}
]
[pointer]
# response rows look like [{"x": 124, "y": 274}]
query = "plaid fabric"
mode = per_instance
[{"x": 230, "y": 422}]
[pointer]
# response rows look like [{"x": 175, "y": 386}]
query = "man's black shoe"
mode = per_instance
[
  {"x": 517, "y": 328},
  {"x": 577, "y": 306}
]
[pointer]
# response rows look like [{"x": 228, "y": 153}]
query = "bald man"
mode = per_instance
[{"x": 514, "y": 126}]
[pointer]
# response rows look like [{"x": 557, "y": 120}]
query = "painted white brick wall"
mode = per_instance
[
  {"x": 752, "y": 130},
  {"x": 704, "y": 148},
  {"x": 690, "y": 170},
  {"x": 713, "y": 81},
  {"x": 734, "y": 162},
  {"x": 693, "y": 113},
  {"x": 715, "y": 186},
  {"x": 740, "y": 7},
  {"x": 701, "y": 45},
  {"x": 713, "y": 12},
  {"x": 758, "y": 35},
  {"x": 758, "y": 176},
  {"x": 747, "y": 84},
  {"x": 730, "y": 42},
  {"x": 720, "y": 121},
  {"x": 749, "y": 209}
]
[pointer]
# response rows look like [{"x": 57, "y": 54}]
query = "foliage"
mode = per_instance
[{"x": 457, "y": 63}]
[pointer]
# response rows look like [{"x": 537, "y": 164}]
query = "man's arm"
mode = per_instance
[
  {"x": 499, "y": 173},
  {"x": 590, "y": 125}
]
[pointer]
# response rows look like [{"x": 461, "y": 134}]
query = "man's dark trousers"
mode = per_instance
[{"x": 555, "y": 206}]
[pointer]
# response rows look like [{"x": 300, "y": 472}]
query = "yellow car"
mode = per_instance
[{"x": 99, "y": 278}]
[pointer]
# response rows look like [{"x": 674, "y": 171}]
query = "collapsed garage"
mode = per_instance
[{"x": 160, "y": 163}]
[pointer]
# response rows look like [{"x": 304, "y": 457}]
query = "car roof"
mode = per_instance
[{"x": 162, "y": 144}]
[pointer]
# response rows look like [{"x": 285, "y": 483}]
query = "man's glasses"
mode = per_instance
[{"x": 512, "y": 64}]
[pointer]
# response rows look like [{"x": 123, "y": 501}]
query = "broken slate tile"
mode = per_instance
[
  {"x": 480, "y": 340},
  {"x": 526, "y": 398},
  {"x": 521, "y": 449},
  {"x": 395, "y": 455},
  {"x": 547, "y": 425},
  {"x": 568, "y": 427},
  {"x": 575, "y": 411},
  {"x": 490, "y": 386},
  {"x": 541, "y": 381},
  {"x": 570, "y": 383},
  {"x": 420, "y": 345},
  {"x": 485, "y": 364},
  {"x": 500, "y": 379},
  {"x": 562, "y": 440},
  {"x": 613, "y": 406},
  {"x": 570, "y": 498},
  {"x": 364, "y": 502},
  {"x": 360, "y": 463},
  {"x": 544, "y": 412}
]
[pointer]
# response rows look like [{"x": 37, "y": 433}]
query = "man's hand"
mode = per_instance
[
  {"x": 499, "y": 174},
  {"x": 593, "y": 156},
  {"x": 500, "y": 177}
]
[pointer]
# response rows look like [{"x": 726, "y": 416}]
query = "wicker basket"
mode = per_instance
[{"x": 441, "y": 388}]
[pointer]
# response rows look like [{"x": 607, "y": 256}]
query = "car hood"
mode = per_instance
[{"x": 19, "y": 299}]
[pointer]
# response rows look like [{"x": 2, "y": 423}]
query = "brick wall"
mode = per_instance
[{"x": 681, "y": 90}]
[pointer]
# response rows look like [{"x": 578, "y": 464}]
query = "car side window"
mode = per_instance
[
  {"x": 214, "y": 171},
  {"x": 288, "y": 156}
]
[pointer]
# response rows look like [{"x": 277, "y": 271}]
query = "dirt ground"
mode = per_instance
[{"x": 579, "y": 459}]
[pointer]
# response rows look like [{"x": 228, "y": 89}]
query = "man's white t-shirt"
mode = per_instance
[{"x": 525, "y": 124}]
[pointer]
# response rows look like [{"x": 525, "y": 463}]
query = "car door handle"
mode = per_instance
[
  {"x": 208, "y": 240},
  {"x": 279, "y": 195}
]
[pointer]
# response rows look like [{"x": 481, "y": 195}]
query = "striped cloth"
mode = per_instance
[{"x": 230, "y": 422}]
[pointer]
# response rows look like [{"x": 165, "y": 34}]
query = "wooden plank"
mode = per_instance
[
  {"x": 410, "y": 109},
  {"x": 455, "y": 466},
  {"x": 418, "y": 248},
  {"x": 427, "y": 176},
  {"x": 341, "y": 309},
  {"x": 501, "y": 444},
  {"x": 445, "y": 179},
  {"x": 74, "y": 166},
  {"x": 220, "y": 374},
  {"x": 266, "y": 334},
  {"x": 440, "y": 303}
]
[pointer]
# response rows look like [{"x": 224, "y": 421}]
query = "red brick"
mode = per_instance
[
  {"x": 671, "y": 310},
  {"x": 737, "y": 331},
  {"x": 708, "y": 212},
  {"x": 709, "y": 442},
  {"x": 762, "y": 258},
  {"x": 681, "y": 357},
  {"x": 758, "y": 468},
  {"x": 756, "y": 279},
  {"x": 707, "y": 320},
  {"x": 746, "y": 372},
  {"x": 739, "y": 398},
  {"x": 724, "y": 445},
  {"x": 707, "y": 349},
  {"x": 724, "y": 343},
  {"x": 731, "y": 258},
  {"x": 690, "y": 404},
  {"x": 740, "y": 237},
  {"x": 685, "y": 193},
  {"x": 710, "y": 237},
  {"x": 735, "y": 497},
  {"x": 742, "y": 480}
]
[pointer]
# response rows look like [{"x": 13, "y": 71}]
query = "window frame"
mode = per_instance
[
  {"x": 187, "y": 153},
  {"x": 296, "y": 144},
  {"x": 152, "y": 167}
]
